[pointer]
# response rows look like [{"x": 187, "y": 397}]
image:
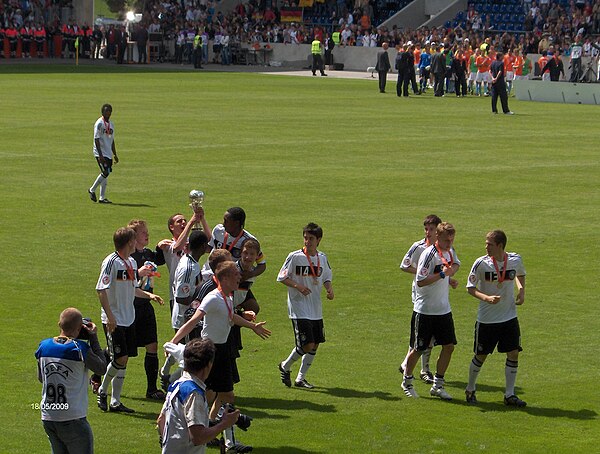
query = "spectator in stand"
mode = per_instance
[
  {"x": 13, "y": 37},
  {"x": 96, "y": 42},
  {"x": 141, "y": 40},
  {"x": 26, "y": 33},
  {"x": 554, "y": 66},
  {"x": 542, "y": 61},
  {"x": 40, "y": 40}
]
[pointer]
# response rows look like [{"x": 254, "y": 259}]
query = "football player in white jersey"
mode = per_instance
[
  {"x": 104, "y": 151},
  {"x": 492, "y": 281},
  {"x": 117, "y": 286},
  {"x": 173, "y": 249},
  {"x": 231, "y": 236},
  {"x": 183, "y": 423},
  {"x": 304, "y": 272},
  {"x": 188, "y": 277},
  {"x": 409, "y": 265},
  {"x": 217, "y": 312},
  {"x": 433, "y": 315},
  {"x": 63, "y": 364}
]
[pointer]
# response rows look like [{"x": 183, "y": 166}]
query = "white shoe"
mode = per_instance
[
  {"x": 440, "y": 392},
  {"x": 409, "y": 390}
]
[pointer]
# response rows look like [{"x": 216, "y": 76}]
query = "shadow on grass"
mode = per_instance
[
  {"x": 354, "y": 393},
  {"x": 281, "y": 404},
  {"x": 482, "y": 387},
  {"x": 149, "y": 416},
  {"x": 284, "y": 449},
  {"x": 548, "y": 412},
  {"x": 143, "y": 205}
]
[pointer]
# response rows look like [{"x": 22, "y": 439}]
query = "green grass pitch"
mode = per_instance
[{"x": 368, "y": 168}]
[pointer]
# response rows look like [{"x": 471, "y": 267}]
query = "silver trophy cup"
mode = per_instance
[{"x": 196, "y": 199}]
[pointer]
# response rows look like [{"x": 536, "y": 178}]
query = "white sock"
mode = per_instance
[
  {"x": 111, "y": 371},
  {"x": 510, "y": 372},
  {"x": 97, "y": 182},
  {"x": 438, "y": 381},
  {"x": 295, "y": 355},
  {"x": 117, "y": 387},
  {"x": 103, "y": 189},
  {"x": 307, "y": 360},
  {"x": 425, "y": 360},
  {"x": 474, "y": 369}
]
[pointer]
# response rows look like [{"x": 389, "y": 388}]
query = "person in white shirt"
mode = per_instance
[
  {"x": 183, "y": 423},
  {"x": 217, "y": 313},
  {"x": 492, "y": 281},
  {"x": 117, "y": 286},
  {"x": 104, "y": 151},
  {"x": 304, "y": 273},
  {"x": 433, "y": 315},
  {"x": 409, "y": 265}
]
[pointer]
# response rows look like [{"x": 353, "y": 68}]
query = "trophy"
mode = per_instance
[{"x": 196, "y": 199}]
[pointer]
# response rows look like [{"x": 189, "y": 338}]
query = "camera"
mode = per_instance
[
  {"x": 84, "y": 333},
  {"x": 243, "y": 421}
]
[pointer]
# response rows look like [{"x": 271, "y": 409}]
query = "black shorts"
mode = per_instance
[
  {"x": 121, "y": 342},
  {"x": 221, "y": 375},
  {"x": 426, "y": 327},
  {"x": 105, "y": 170},
  {"x": 308, "y": 331},
  {"x": 505, "y": 335},
  {"x": 145, "y": 323},
  {"x": 412, "y": 332}
]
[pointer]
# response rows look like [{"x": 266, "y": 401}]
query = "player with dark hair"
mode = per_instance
[
  {"x": 104, "y": 151},
  {"x": 433, "y": 315},
  {"x": 63, "y": 364},
  {"x": 492, "y": 281},
  {"x": 188, "y": 277},
  {"x": 117, "y": 287},
  {"x": 304, "y": 272},
  {"x": 231, "y": 236},
  {"x": 183, "y": 423}
]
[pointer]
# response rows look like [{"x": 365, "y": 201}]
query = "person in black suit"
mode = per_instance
[
  {"x": 438, "y": 69},
  {"x": 499, "y": 85},
  {"x": 383, "y": 66},
  {"x": 404, "y": 60}
]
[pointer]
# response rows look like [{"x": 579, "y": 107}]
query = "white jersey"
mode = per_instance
[
  {"x": 433, "y": 299},
  {"x": 185, "y": 406},
  {"x": 64, "y": 379},
  {"x": 484, "y": 276},
  {"x": 298, "y": 268},
  {"x": 218, "y": 318},
  {"x": 411, "y": 258},
  {"x": 172, "y": 259},
  {"x": 187, "y": 279},
  {"x": 105, "y": 132},
  {"x": 222, "y": 240},
  {"x": 120, "y": 288}
]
